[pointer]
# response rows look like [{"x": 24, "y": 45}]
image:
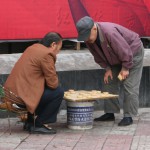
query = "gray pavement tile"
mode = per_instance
[
  {"x": 103, "y": 124},
  {"x": 143, "y": 128},
  {"x": 8, "y": 146},
  {"x": 71, "y": 136},
  {"x": 128, "y": 130},
  {"x": 93, "y": 138},
  {"x": 58, "y": 147},
  {"x": 87, "y": 145},
  {"x": 27, "y": 146},
  {"x": 91, "y": 142},
  {"x": 63, "y": 142},
  {"x": 121, "y": 142},
  {"x": 141, "y": 143},
  {"x": 33, "y": 138}
]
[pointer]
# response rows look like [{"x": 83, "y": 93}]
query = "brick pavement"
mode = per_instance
[{"x": 103, "y": 136}]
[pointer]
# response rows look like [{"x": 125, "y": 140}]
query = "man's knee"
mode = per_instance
[{"x": 60, "y": 92}]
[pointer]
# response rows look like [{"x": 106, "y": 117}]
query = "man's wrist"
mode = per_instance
[
  {"x": 124, "y": 69},
  {"x": 107, "y": 68}
]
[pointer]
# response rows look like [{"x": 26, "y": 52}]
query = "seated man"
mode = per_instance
[{"x": 35, "y": 81}]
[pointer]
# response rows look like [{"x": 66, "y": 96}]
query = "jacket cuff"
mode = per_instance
[
  {"x": 123, "y": 68},
  {"x": 108, "y": 68}
]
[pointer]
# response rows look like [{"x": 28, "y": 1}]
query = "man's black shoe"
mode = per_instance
[
  {"x": 125, "y": 121},
  {"x": 27, "y": 126},
  {"x": 42, "y": 130},
  {"x": 106, "y": 117}
]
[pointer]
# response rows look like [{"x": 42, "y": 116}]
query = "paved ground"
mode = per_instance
[{"x": 103, "y": 136}]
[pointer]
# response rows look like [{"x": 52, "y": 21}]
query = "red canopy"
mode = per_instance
[{"x": 32, "y": 19}]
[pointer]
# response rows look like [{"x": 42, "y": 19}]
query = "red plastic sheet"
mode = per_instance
[{"x": 32, "y": 19}]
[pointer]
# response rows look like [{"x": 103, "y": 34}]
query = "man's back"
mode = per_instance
[{"x": 27, "y": 78}]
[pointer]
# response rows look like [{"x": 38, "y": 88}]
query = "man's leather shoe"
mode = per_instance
[
  {"x": 42, "y": 130},
  {"x": 106, "y": 117},
  {"x": 27, "y": 126},
  {"x": 125, "y": 121}
]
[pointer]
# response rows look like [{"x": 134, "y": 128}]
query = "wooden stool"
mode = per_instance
[{"x": 12, "y": 103}]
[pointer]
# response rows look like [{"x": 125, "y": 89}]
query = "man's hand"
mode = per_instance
[
  {"x": 124, "y": 73},
  {"x": 108, "y": 74}
]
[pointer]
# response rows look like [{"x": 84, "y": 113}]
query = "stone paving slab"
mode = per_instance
[{"x": 103, "y": 135}]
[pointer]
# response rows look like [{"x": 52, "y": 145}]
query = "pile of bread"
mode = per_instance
[{"x": 87, "y": 95}]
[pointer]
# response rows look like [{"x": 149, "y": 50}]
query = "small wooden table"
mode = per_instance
[{"x": 80, "y": 107}]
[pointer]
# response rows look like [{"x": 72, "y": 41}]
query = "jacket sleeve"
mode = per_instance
[
  {"x": 49, "y": 71},
  {"x": 122, "y": 49}
]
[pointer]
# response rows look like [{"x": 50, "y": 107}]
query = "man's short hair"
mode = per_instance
[{"x": 51, "y": 37}]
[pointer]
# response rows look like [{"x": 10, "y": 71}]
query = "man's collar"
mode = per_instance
[{"x": 101, "y": 37}]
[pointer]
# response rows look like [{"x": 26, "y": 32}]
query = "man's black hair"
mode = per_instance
[{"x": 51, "y": 37}]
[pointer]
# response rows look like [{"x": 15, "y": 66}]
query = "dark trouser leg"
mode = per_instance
[
  {"x": 112, "y": 106},
  {"x": 49, "y": 105}
]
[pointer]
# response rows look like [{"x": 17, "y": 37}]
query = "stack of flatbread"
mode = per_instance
[{"x": 72, "y": 95}]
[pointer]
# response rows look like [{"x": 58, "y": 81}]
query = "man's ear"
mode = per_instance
[
  {"x": 94, "y": 27},
  {"x": 53, "y": 44}
]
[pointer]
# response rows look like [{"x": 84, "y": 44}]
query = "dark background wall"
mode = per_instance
[{"x": 8, "y": 47}]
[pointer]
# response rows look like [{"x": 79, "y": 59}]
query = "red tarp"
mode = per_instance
[{"x": 32, "y": 19}]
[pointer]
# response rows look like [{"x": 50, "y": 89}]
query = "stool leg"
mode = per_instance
[
  {"x": 8, "y": 118},
  {"x": 34, "y": 119},
  {"x": 9, "y": 123}
]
